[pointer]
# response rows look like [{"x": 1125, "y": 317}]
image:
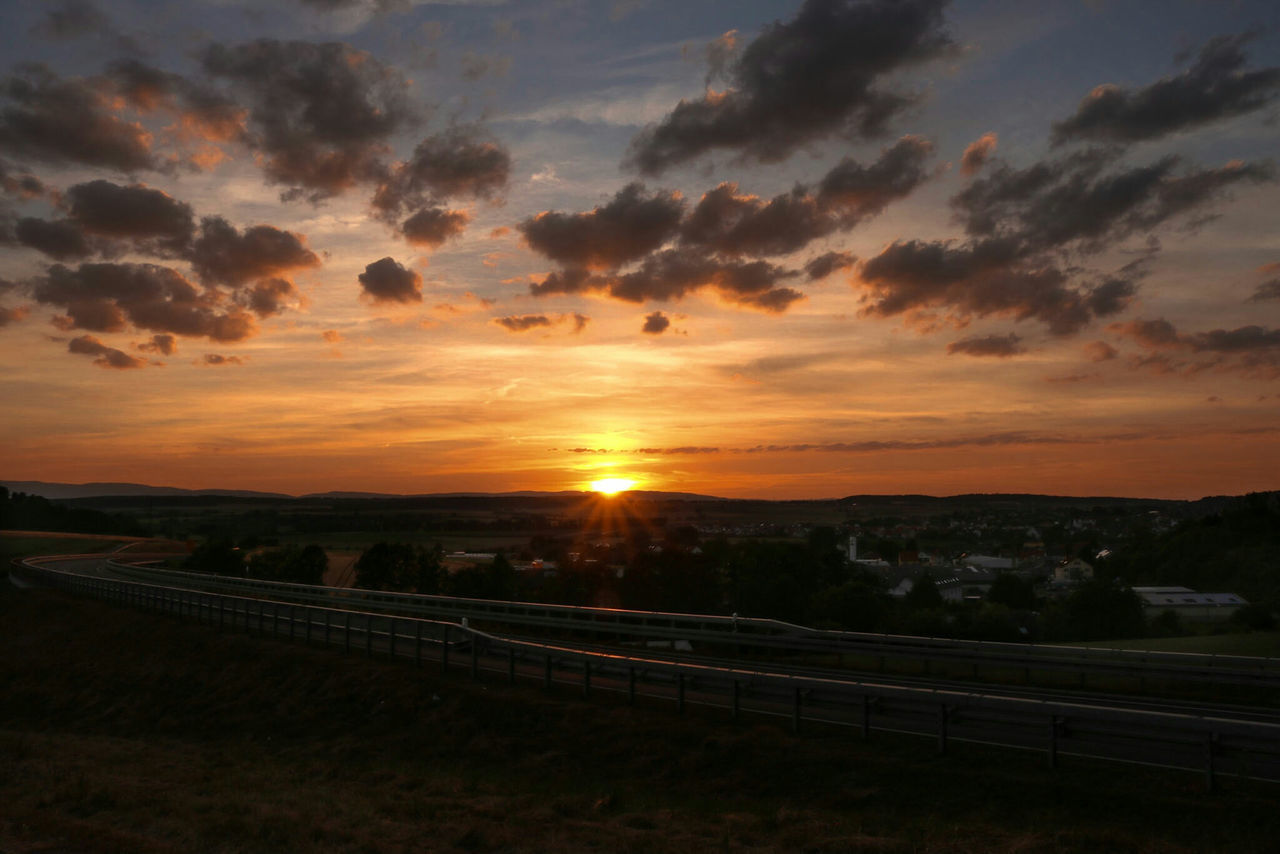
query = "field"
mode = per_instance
[{"x": 128, "y": 732}]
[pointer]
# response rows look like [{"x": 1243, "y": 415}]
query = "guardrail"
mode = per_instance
[
  {"x": 1212, "y": 746},
  {"x": 746, "y": 632}
]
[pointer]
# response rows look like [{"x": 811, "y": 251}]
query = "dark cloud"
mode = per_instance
[
  {"x": 59, "y": 239},
  {"x": 1216, "y": 86},
  {"x": 321, "y": 114},
  {"x": 24, "y": 185},
  {"x": 1077, "y": 200},
  {"x": 816, "y": 75},
  {"x": 136, "y": 212},
  {"x": 630, "y": 226},
  {"x": 1266, "y": 291},
  {"x": 69, "y": 19},
  {"x": 976, "y": 279},
  {"x": 49, "y": 119},
  {"x": 674, "y": 273},
  {"x": 1026, "y": 227},
  {"x": 223, "y": 254},
  {"x": 734, "y": 224},
  {"x": 1252, "y": 350},
  {"x": 270, "y": 296},
  {"x": 386, "y": 280},
  {"x": 12, "y": 315},
  {"x": 217, "y": 360},
  {"x": 826, "y": 264},
  {"x": 431, "y": 227},
  {"x": 998, "y": 346},
  {"x": 107, "y": 297},
  {"x": 977, "y": 153},
  {"x": 199, "y": 109},
  {"x": 165, "y": 344},
  {"x": 457, "y": 163},
  {"x": 523, "y": 322},
  {"x": 106, "y": 357},
  {"x": 656, "y": 323}
]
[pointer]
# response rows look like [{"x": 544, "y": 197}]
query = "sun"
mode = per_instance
[{"x": 611, "y": 485}]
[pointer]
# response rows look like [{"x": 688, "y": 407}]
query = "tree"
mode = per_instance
[
  {"x": 1017, "y": 593},
  {"x": 216, "y": 556},
  {"x": 923, "y": 594},
  {"x": 399, "y": 566}
]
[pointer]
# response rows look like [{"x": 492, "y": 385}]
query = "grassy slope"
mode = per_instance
[
  {"x": 128, "y": 732},
  {"x": 1237, "y": 643}
]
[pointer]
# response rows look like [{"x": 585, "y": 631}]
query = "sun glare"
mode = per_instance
[{"x": 612, "y": 485}]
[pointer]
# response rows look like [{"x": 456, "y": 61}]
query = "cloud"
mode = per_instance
[
  {"x": 812, "y": 77},
  {"x": 998, "y": 346},
  {"x": 332, "y": 336},
  {"x": 826, "y": 264},
  {"x": 1023, "y": 224},
  {"x": 23, "y": 185},
  {"x": 1265, "y": 291},
  {"x": 225, "y": 255},
  {"x": 629, "y": 227},
  {"x": 136, "y": 212},
  {"x": 656, "y": 323},
  {"x": 526, "y": 322},
  {"x": 320, "y": 114},
  {"x": 1215, "y": 87},
  {"x": 1100, "y": 351},
  {"x": 459, "y": 162},
  {"x": 165, "y": 344},
  {"x": 200, "y": 111},
  {"x": 977, "y": 153},
  {"x": 59, "y": 239},
  {"x": 69, "y": 19},
  {"x": 734, "y": 224},
  {"x": 431, "y": 227},
  {"x": 216, "y": 360},
  {"x": 12, "y": 315},
  {"x": 1251, "y": 350},
  {"x": 106, "y": 297},
  {"x": 49, "y": 119},
  {"x": 386, "y": 280},
  {"x": 523, "y": 323},
  {"x": 269, "y": 296},
  {"x": 106, "y": 357},
  {"x": 675, "y": 273}
]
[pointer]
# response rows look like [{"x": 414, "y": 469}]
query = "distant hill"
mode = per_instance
[
  {"x": 63, "y": 491},
  {"x": 71, "y": 491}
]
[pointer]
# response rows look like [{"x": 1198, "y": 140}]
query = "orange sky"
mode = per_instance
[{"x": 481, "y": 252}]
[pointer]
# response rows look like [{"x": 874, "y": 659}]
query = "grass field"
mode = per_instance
[{"x": 129, "y": 732}]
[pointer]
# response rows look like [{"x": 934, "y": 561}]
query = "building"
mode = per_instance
[{"x": 1188, "y": 604}]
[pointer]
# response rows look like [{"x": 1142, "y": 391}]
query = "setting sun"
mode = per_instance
[{"x": 612, "y": 485}]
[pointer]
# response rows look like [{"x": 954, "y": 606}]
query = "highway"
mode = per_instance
[{"x": 1212, "y": 738}]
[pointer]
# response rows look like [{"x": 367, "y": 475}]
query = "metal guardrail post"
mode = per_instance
[
  {"x": 346, "y": 634},
  {"x": 417, "y": 643},
  {"x": 511, "y": 665},
  {"x": 475, "y": 657},
  {"x": 866, "y": 717},
  {"x": 737, "y": 702},
  {"x": 631, "y": 686},
  {"x": 795, "y": 712},
  {"x": 942, "y": 729},
  {"x": 307, "y": 614},
  {"x": 586, "y": 677},
  {"x": 1210, "y": 743},
  {"x": 292, "y": 620},
  {"x": 368, "y": 636},
  {"x": 444, "y": 652},
  {"x": 326, "y": 628},
  {"x": 546, "y": 675},
  {"x": 1053, "y": 741},
  {"x": 391, "y": 644},
  {"x": 680, "y": 693},
  {"x": 222, "y": 613}
]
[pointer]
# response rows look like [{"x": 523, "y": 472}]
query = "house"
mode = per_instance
[
  {"x": 1188, "y": 604},
  {"x": 1072, "y": 572},
  {"x": 900, "y": 580}
]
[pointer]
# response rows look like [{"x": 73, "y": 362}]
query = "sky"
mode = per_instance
[{"x": 749, "y": 249}]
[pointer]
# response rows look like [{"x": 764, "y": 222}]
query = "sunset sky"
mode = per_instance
[{"x": 749, "y": 249}]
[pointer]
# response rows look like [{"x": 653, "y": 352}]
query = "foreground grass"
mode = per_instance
[{"x": 127, "y": 732}]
